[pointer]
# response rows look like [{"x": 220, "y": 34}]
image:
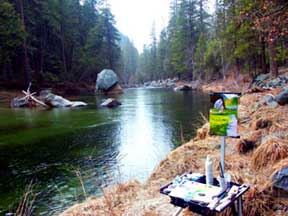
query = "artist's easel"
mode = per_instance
[{"x": 222, "y": 164}]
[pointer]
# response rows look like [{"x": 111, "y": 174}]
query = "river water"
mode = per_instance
[{"x": 67, "y": 153}]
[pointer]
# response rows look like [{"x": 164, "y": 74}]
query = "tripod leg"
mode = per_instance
[{"x": 239, "y": 203}]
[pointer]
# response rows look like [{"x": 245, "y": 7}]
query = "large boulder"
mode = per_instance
[
  {"x": 106, "y": 79},
  {"x": 53, "y": 100}
]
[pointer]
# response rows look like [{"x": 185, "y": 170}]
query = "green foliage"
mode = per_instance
[
  {"x": 65, "y": 39},
  {"x": 212, "y": 57},
  {"x": 12, "y": 32},
  {"x": 199, "y": 46},
  {"x": 181, "y": 45}
]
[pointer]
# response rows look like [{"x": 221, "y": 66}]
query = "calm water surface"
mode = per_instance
[{"x": 56, "y": 148}]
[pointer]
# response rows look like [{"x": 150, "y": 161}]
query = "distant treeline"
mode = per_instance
[
  {"x": 50, "y": 41},
  {"x": 242, "y": 36}
]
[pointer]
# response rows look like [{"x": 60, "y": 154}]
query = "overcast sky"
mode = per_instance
[{"x": 135, "y": 18}]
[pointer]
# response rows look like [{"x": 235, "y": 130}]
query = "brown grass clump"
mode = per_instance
[
  {"x": 270, "y": 152},
  {"x": 261, "y": 123},
  {"x": 257, "y": 203},
  {"x": 203, "y": 132},
  {"x": 248, "y": 143},
  {"x": 112, "y": 203}
]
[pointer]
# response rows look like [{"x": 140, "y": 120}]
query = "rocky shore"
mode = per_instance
[
  {"x": 175, "y": 83},
  {"x": 259, "y": 158}
]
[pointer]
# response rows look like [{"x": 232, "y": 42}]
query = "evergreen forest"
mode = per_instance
[{"x": 56, "y": 41}]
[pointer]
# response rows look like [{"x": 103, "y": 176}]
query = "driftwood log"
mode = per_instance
[
  {"x": 47, "y": 100},
  {"x": 29, "y": 100}
]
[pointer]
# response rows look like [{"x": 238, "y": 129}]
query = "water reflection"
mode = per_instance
[{"x": 143, "y": 136}]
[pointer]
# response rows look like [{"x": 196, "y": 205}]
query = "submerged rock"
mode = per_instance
[{"x": 110, "y": 103}]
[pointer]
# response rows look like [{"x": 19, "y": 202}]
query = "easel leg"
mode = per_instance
[
  {"x": 239, "y": 203},
  {"x": 234, "y": 212},
  {"x": 222, "y": 154},
  {"x": 179, "y": 210}
]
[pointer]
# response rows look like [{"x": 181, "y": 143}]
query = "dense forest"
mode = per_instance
[
  {"x": 60, "y": 40},
  {"x": 56, "y": 41},
  {"x": 241, "y": 36}
]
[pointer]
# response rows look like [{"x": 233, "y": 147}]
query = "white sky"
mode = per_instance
[{"x": 134, "y": 18}]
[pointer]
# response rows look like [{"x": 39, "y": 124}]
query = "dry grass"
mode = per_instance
[
  {"x": 270, "y": 152},
  {"x": 261, "y": 123},
  {"x": 26, "y": 205},
  {"x": 249, "y": 142},
  {"x": 258, "y": 202},
  {"x": 203, "y": 132}
]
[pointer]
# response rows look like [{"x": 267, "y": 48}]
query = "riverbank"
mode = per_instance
[{"x": 254, "y": 159}]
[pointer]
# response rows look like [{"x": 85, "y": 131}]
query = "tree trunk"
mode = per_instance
[
  {"x": 222, "y": 62},
  {"x": 201, "y": 16},
  {"x": 263, "y": 57},
  {"x": 63, "y": 53},
  {"x": 25, "y": 58},
  {"x": 62, "y": 38},
  {"x": 237, "y": 61},
  {"x": 272, "y": 58}
]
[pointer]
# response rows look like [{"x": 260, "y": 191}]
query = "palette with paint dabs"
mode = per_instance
[{"x": 195, "y": 191}]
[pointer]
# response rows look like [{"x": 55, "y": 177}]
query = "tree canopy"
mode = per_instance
[
  {"x": 241, "y": 36},
  {"x": 58, "y": 40}
]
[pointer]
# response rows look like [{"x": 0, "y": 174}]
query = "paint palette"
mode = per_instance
[{"x": 195, "y": 191}]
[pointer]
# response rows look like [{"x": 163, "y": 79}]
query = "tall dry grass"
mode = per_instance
[
  {"x": 26, "y": 205},
  {"x": 270, "y": 152}
]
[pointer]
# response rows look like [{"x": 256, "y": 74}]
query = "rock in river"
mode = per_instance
[
  {"x": 182, "y": 88},
  {"x": 110, "y": 103},
  {"x": 53, "y": 100},
  {"x": 106, "y": 79}
]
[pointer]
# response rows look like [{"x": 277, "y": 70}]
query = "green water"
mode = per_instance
[{"x": 48, "y": 147}]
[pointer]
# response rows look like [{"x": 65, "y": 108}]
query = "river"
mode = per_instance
[{"x": 57, "y": 149}]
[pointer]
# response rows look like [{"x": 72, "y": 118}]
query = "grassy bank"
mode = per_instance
[{"x": 261, "y": 151}]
